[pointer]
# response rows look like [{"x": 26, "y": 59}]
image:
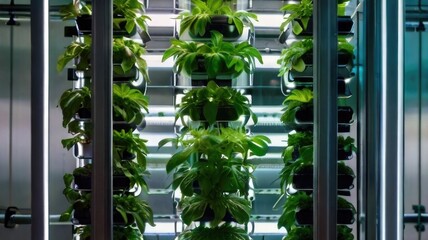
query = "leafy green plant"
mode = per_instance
[
  {"x": 74, "y": 197},
  {"x": 225, "y": 232},
  {"x": 292, "y": 103},
  {"x": 204, "y": 103},
  {"x": 214, "y": 159},
  {"x": 305, "y": 158},
  {"x": 216, "y": 56},
  {"x": 347, "y": 143},
  {"x": 128, "y": 103},
  {"x": 135, "y": 170},
  {"x": 296, "y": 141},
  {"x": 301, "y": 200},
  {"x": 202, "y": 12},
  {"x": 71, "y": 101},
  {"x": 127, "y": 12},
  {"x": 128, "y": 205},
  {"x": 75, "y": 9},
  {"x": 305, "y": 138},
  {"x": 133, "y": 13},
  {"x": 300, "y": 233},
  {"x": 119, "y": 232},
  {"x": 81, "y": 131},
  {"x": 306, "y": 233},
  {"x": 291, "y": 58},
  {"x": 126, "y": 53},
  {"x": 297, "y": 11},
  {"x": 80, "y": 49}
]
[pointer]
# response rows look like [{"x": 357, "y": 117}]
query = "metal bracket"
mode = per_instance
[
  {"x": 10, "y": 211},
  {"x": 419, "y": 209}
]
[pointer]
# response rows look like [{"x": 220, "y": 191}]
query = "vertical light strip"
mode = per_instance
[
  {"x": 391, "y": 209},
  {"x": 11, "y": 115},
  {"x": 383, "y": 168},
  {"x": 400, "y": 116},
  {"x": 39, "y": 119}
]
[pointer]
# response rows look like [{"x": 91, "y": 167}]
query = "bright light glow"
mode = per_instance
[{"x": 45, "y": 161}]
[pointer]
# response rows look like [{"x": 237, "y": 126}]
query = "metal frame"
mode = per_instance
[
  {"x": 102, "y": 61},
  {"x": 391, "y": 161},
  {"x": 370, "y": 115},
  {"x": 39, "y": 118},
  {"x": 382, "y": 122},
  {"x": 325, "y": 122}
]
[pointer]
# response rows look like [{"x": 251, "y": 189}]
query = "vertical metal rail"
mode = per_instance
[
  {"x": 39, "y": 119},
  {"x": 325, "y": 124},
  {"x": 102, "y": 60},
  {"x": 391, "y": 161},
  {"x": 371, "y": 121}
]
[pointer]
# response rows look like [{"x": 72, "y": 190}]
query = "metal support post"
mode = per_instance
[
  {"x": 102, "y": 62},
  {"x": 391, "y": 161},
  {"x": 39, "y": 118},
  {"x": 325, "y": 122}
]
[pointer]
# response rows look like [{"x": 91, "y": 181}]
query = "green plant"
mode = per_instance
[
  {"x": 126, "y": 53},
  {"x": 129, "y": 12},
  {"x": 202, "y": 12},
  {"x": 119, "y": 232},
  {"x": 128, "y": 103},
  {"x": 305, "y": 158},
  {"x": 225, "y": 232},
  {"x": 204, "y": 103},
  {"x": 137, "y": 208},
  {"x": 296, "y": 141},
  {"x": 347, "y": 143},
  {"x": 133, "y": 13},
  {"x": 306, "y": 233},
  {"x": 215, "y": 160},
  {"x": 217, "y": 56},
  {"x": 75, "y": 9},
  {"x": 80, "y": 49},
  {"x": 298, "y": 11},
  {"x": 292, "y": 103},
  {"x": 81, "y": 131},
  {"x": 71, "y": 101},
  {"x": 300, "y": 233},
  {"x": 74, "y": 197},
  {"x": 301, "y": 200},
  {"x": 128, "y": 142},
  {"x": 292, "y": 58},
  {"x": 126, "y": 205},
  {"x": 298, "y": 200}
]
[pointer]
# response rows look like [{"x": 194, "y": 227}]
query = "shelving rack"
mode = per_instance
[{"x": 371, "y": 104}]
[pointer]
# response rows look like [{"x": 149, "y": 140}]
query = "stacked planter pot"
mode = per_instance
[
  {"x": 296, "y": 70},
  {"x": 130, "y": 212},
  {"x": 212, "y": 166}
]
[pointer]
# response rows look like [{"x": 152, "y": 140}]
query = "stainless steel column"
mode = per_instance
[
  {"x": 102, "y": 33},
  {"x": 39, "y": 119},
  {"x": 391, "y": 162},
  {"x": 370, "y": 121},
  {"x": 325, "y": 124}
]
